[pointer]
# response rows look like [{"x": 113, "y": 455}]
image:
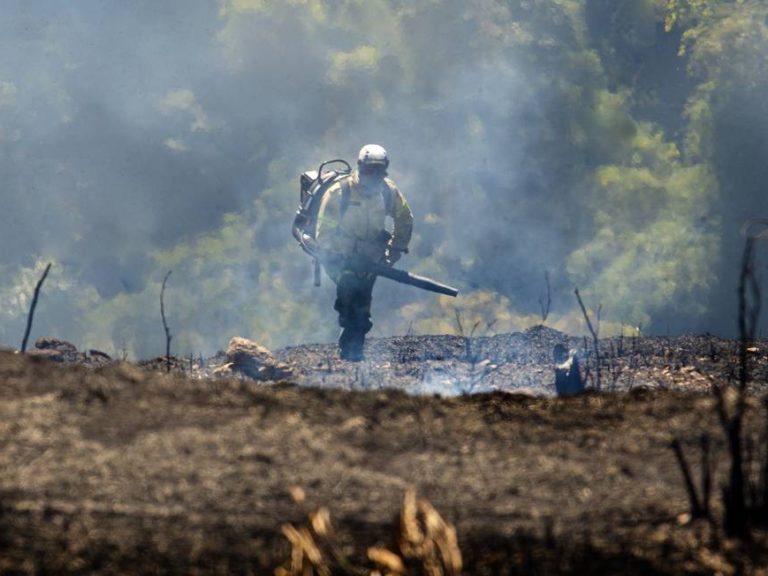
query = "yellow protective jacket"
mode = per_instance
[{"x": 359, "y": 230}]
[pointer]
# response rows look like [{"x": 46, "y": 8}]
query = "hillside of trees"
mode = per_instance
[{"x": 614, "y": 146}]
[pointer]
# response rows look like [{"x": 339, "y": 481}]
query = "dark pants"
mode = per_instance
[{"x": 353, "y": 303}]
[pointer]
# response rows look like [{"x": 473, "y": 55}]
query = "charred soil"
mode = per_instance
[{"x": 122, "y": 469}]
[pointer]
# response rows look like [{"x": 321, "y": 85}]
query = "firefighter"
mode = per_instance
[{"x": 352, "y": 225}]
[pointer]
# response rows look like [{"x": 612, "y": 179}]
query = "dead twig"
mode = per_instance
[
  {"x": 472, "y": 354},
  {"x": 736, "y": 508},
  {"x": 749, "y": 308},
  {"x": 595, "y": 336},
  {"x": 32, "y": 307},
  {"x": 467, "y": 339},
  {"x": 458, "y": 322},
  {"x": 545, "y": 306},
  {"x": 690, "y": 487},
  {"x": 168, "y": 336},
  {"x": 699, "y": 502},
  {"x": 739, "y": 501}
]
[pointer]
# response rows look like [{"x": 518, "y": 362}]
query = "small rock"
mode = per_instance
[
  {"x": 50, "y": 343},
  {"x": 162, "y": 364},
  {"x": 522, "y": 392},
  {"x": 48, "y": 354},
  {"x": 297, "y": 494},
  {"x": 98, "y": 358},
  {"x": 255, "y": 361},
  {"x": 56, "y": 350},
  {"x": 99, "y": 354},
  {"x": 354, "y": 423},
  {"x": 224, "y": 370}
]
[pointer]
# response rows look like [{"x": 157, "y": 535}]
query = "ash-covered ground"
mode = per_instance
[
  {"x": 114, "y": 468},
  {"x": 523, "y": 363}
]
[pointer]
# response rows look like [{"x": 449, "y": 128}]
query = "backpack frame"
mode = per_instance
[{"x": 313, "y": 185}]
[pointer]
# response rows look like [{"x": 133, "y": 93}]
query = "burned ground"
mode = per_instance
[
  {"x": 523, "y": 362},
  {"x": 120, "y": 469}
]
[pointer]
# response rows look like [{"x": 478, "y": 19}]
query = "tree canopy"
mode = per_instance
[{"x": 617, "y": 145}]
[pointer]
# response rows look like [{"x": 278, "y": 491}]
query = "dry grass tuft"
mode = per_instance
[
  {"x": 425, "y": 545},
  {"x": 315, "y": 547},
  {"x": 306, "y": 557}
]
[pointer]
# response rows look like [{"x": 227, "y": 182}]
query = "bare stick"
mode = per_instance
[
  {"x": 458, "y": 322},
  {"x": 466, "y": 339},
  {"x": 168, "y": 336},
  {"x": 735, "y": 491},
  {"x": 594, "y": 336},
  {"x": 749, "y": 308},
  {"x": 693, "y": 497},
  {"x": 33, "y": 306},
  {"x": 545, "y": 307}
]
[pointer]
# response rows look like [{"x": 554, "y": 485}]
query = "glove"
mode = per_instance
[{"x": 394, "y": 255}]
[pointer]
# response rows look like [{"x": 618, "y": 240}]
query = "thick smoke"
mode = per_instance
[
  {"x": 88, "y": 175},
  {"x": 131, "y": 132}
]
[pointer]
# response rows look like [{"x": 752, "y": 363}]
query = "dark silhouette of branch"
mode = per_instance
[
  {"x": 595, "y": 336},
  {"x": 735, "y": 497},
  {"x": 458, "y": 322},
  {"x": 32, "y": 307},
  {"x": 690, "y": 487},
  {"x": 699, "y": 501},
  {"x": 168, "y": 336},
  {"x": 740, "y": 502},
  {"x": 749, "y": 308},
  {"x": 545, "y": 307}
]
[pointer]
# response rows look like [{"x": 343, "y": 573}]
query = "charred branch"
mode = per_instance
[
  {"x": 690, "y": 487},
  {"x": 32, "y": 307},
  {"x": 545, "y": 305},
  {"x": 699, "y": 501},
  {"x": 595, "y": 336},
  {"x": 168, "y": 336},
  {"x": 743, "y": 496}
]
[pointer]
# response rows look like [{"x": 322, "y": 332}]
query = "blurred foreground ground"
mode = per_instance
[{"x": 123, "y": 470}]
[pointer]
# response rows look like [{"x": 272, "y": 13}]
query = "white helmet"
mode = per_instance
[{"x": 373, "y": 154}]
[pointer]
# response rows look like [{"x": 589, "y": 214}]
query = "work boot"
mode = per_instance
[{"x": 351, "y": 345}]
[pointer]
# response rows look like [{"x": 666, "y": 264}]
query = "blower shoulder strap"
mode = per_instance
[
  {"x": 387, "y": 192},
  {"x": 346, "y": 193}
]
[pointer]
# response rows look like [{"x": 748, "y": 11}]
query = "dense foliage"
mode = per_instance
[{"x": 617, "y": 145}]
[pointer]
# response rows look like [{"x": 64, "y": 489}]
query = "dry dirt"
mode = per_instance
[{"x": 119, "y": 469}]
